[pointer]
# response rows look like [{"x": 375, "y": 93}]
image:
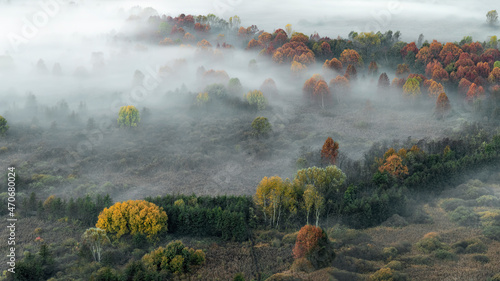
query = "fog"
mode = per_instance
[{"x": 99, "y": 46}]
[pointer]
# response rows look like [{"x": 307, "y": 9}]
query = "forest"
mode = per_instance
[{"x": 200, "y": 147}]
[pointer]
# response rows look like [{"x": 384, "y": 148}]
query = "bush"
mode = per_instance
[
  {"x": 402, "y": 246},
  {"x": 290, "y": 238},
  {"x": 481, "y": 258},
  {"x": 492, "y": 232},
  {"x": 464, "y": 216},
  {"x": 495, "y": 277},
  {"x": 451, "y": 204},
  {"x": 302, "y": 265},
  {"x": 394, "y": 265},
  {"x": 174, "y": 258},
  {"x": 387, "y": 274},
  {"x": 390, "y": 253},
  {"x": 128, "y": 116},
  {"x": 420, "y": 259},
  {"x": 3, "y": 126},
  {"x": 430, "y": 243},
  {"x": 470, "y": 247},
  {"x": 444, "y": 255},
  {"x": 313, "y": 244}
]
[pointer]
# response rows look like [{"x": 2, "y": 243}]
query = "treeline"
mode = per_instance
[
  {"x": 83, "y": 210},
  {"x": 227, "y": 217}
]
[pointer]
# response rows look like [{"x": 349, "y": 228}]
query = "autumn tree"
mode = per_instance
[
  {"x": 334, "y": 65},
  {"x": 442, "y": 105},
  {"x": 349, "y": 56},
  {"x": 328, "y": 181},
  {"x": 254, "y": 45},
  {"x": 474, "y": 92},
  {"x": 256, "y": 99},
  {"x": 402, "y": 70},
  {"x": 269, "y": 88},
  {"x": 312, "y": 244},
  {"x": 3, "y": 126},
  {"x": 128, "y": 116},
  {"x": 494, "y": 76},
  {"x": 463, "y": 86},
  {"x": 330, "y": 151},
  {"x": 492, "y": 17},
  {"x": 393, "y": 165},
  {"x": 274, "y": 196},
  {"x": 312, "y": 198},
  {"x": 96, "y": 239},
  {"x": 298, "y": 68},
  {"x": 294, "y": 51},
  {"x": 131, "y": 217},
  {"x": 435, "y": 89},
  {"x": 351, "y": 72},
  {"x": 321, "y": 92},
  {"x": 383, "y": 81},
  {"x": 411, "y": 88},
  {"x": 411, "y": 47},
  {"x": 372, "y": 68},
  {"x": 340, "y": 85}
]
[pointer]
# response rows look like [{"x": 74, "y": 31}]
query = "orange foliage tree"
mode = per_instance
[
  {"x": 268, "y": 87},
  {"x": 312, "y": 243},
  {"x": 393, "y": 165},
  {"x": 442, "y": 105},
  {"x": 333, "y": 64},
  {"x": 254, "y": 45},
  {"x": 463, "y": 86},
  {"x": 297, "y": 68},
  {"x": 330, "y": 151},
  {"x": 402, "y": 70},
  {"x": 293, "y": 50},
  {"x": 349, "y": 56},
  {"x": 474, "y": 92},
  {"x": 133, "y": 216},
  {"x": 435, "y": 89},
  {"x": 340, "y": 85},
  {"x": 321, "y": 92}
]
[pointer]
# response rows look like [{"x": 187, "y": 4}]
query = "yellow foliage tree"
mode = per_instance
[
  {"x": 274, "y": 195},
  {"x": 128, "y": 116},
  {"x": 133, "y": 216}
]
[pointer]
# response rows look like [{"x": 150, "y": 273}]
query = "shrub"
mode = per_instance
[
  {"x": 495, "y": 277},
  {"x": 290, "y": 238},
  {"x": 492, "y": 232},
  {"x": 430, "y": 243},
  {"x": 481, "y": 258},
  {"x": 3, "y": 126},
  {"x": 464, "y": 216},
  {"x": 451, "y": 204},
  {"x": 261, "y": 126},
  {"x": 348, "y": 236},
  {"x": 302, "y": 265},
  {"x": 394, "y": 265},
  {"x": 128, "y": 116},
  {"x": 390, "y": 253},
  {"x": 420, "y": 259},
  {"x": 470, "y": 247},
  {"x": 387, "y": 274},
  {"x": 444, "y": 255}
]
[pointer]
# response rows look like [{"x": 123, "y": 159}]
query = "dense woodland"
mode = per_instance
[{"x": 330, "y": 219}]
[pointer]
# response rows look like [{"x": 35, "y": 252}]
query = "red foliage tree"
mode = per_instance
[
  {"x": 321, "y": 93},
  {"x": 439, "y": 74},
  {"x": 483, "y": 69},
  {"x": 398, "y": 83},
  {"x": 308, "y": 239},
  {"x": 293, "y": 51},
  {"x": 464, "y": 60},
  {"x": 330, "y": 151},
  {"x": 452, "y": 50},
  {"x": 409, "y": 47},
  {"x": 463, "y": 86}
]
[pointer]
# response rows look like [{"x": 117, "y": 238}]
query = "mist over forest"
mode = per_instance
[{"x": 244, "y": 128}]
